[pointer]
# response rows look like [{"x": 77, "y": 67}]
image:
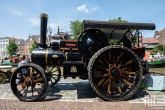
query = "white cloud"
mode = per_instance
[
  {"x": 83, "y": 8},
  {"x": 95, "y": 8},
  {"x": 13, "y": 11},
  {"x": 34, "y": 21}
]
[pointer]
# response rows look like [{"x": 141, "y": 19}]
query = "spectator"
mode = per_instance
[
  {"x": 23, "y": 70},
  {"x": 22, "y": 60}
]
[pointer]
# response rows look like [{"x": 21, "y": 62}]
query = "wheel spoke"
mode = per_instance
[
  {"x": 106, "y": 61},
  {"x": 26, "y": 91},
  {"x": 127, "y": 82},
  {"x": 54, "y": 75},
  {"x": 100, "y": 74},
  {"x": 109, "y": 88},
  {"x": 119, "y": 65},
  {"x": 118, "y": 59},
  {"x": 119, "y": 89},
  {"x": 32, "y": 91},
  {"x": 129, "y": 72},
  {"x": 52, "y": 69},
  {"x": 103, "y": 68},
  {"x": 102, "y": 80},
  {"x": 38, "y": 80},
  {"x": 107, "y": 81},
  {"x": 101, "y": 62},
  {"x": 127, "y": 63}
]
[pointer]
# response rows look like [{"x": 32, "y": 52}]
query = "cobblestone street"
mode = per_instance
[{"x": 74, "y": 94}]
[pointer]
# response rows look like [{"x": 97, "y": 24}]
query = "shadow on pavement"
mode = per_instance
[{"x": 69, "y": 91}]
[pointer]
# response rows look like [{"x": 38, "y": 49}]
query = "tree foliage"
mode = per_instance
[
  {"x": 12, "y": 48},
  {"x": 33, "y": 46},
  {"x": 159, "y": 48},
  {"x": 76, "y": 28},
  {"x": 119, "y": 19}
]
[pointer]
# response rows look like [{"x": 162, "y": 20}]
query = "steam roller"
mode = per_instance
[{"x": 114, "y": 70}]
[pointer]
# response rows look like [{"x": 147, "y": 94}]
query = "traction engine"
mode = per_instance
[{"x": 114, "y": 70}]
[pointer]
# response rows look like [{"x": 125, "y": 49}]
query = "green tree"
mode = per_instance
[
  {"x": 164, "y": 49},
  {"x": 159, "y": 48},
  {"x": 12, "y": 48},
  {"x": 34, "y": 45},
  {"x": 119, "y": 19},
  {"x": 76, "y": 28}
]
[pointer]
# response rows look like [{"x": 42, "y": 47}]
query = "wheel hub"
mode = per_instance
[
  {"x": 114, "y": 72},
  {"x": 27, "y": 82}
]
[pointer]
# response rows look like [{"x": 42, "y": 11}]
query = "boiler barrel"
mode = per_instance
[{"x": 47, "y": 56}]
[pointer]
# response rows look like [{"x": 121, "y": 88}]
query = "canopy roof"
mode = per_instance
[{"x": 116, "y": 30}]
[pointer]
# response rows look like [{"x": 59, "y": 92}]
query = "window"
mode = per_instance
[
  {"x": 27, "y": 51},
  {"x": 27, "y": 46}
]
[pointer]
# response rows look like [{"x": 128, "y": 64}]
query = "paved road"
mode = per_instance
[{"x": 75, "y": 94}]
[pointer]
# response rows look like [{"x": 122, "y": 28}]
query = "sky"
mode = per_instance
[{"x": 21, "y": 18}]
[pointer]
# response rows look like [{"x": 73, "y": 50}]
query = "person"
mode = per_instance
[
  {"x": 23, "y": 70},
  {"x": 22, "y": 60}
]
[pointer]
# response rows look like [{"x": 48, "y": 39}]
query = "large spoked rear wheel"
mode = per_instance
[
  {"x": 28, "y": 82},
  {"x": 115, "y": 73}
]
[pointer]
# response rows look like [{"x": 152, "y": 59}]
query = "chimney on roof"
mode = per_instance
[{"x": 58, "y": 30}]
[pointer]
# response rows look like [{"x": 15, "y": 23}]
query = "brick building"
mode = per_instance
[
  {"x": 160, "y": 35},
  {"x": 28, "y": 43},
  {"x": 158, "y": 38}
]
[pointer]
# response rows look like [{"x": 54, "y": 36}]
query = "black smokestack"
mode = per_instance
[{"x": 43, "y": 30}]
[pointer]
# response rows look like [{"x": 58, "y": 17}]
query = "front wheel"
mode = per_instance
[
  {"x": 28, "y": 82},
  {"x": 115, "y": 73}
]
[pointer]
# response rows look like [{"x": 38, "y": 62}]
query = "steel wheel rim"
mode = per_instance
[{"x": 103, "y": 76}]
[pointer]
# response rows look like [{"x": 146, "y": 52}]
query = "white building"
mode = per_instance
[{"x": 3, "y": 44}]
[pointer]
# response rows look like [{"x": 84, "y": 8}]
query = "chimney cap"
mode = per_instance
[{"x": 44, "y": 15}]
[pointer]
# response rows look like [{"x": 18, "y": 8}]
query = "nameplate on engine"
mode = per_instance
[
  {"x": 70, "y": 45},
  {"x": 54, "y": 56}
]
